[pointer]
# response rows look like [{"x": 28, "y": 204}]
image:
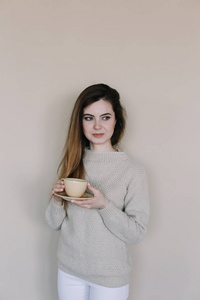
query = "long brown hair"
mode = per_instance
[{"x": 71, "y": 164}]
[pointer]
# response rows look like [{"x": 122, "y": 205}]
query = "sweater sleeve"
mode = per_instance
[
  {"x": 130, "y": 224},
  {"x": 55, "y": 215}
]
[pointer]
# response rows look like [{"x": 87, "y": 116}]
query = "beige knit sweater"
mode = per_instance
[{"x": 92, "y": 243}]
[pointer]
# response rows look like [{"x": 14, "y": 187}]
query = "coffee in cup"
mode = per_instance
[{"x": 75, "y": 187}]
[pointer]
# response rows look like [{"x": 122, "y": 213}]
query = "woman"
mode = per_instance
[{"x": 93, "y": 262}]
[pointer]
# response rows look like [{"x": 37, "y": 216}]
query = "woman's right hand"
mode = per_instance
[{"x": 58, "y": 187}]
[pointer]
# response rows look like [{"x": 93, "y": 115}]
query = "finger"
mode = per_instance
[
  {"x": 57, "y": 186},
  {"x": 81, "y": 202},
  {"x": 87, "y": 201},
  {"x": 85, "y": 206},
  {"x": 92, "y": 189},
  {"x": 78, "y": 203},
  {"x": 59, "y": 181},
  {"x": 57, "y": 189}
]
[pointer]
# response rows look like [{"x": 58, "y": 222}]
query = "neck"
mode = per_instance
[{"x": 102, "y": 148}]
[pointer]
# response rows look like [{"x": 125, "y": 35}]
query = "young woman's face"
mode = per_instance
[{"x": 98, "y": 125}]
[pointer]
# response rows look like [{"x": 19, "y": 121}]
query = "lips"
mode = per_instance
[{"x": 98, "y": 135}]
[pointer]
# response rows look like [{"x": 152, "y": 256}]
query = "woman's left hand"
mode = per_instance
[{"x": 98, "y": 201}]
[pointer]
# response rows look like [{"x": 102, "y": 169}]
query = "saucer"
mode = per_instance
[{"x": 64, "y": 196}]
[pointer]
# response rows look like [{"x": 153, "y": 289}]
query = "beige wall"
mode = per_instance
[{"x": 150, "y": 52}]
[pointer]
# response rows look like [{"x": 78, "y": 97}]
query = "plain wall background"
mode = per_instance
[{"x": 150, "y": 52}]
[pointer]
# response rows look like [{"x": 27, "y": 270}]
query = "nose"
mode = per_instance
[{"x": 97, "y": 124}]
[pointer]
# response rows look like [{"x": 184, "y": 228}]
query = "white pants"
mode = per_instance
[{"x": 73, "y": 288}]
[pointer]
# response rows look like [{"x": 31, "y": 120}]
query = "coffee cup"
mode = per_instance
[{"x": 75, "y": 187}]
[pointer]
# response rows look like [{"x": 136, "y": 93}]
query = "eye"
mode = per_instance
[
  {"x": 106, "y": 118},
  {"x": 88, "y": 118}
]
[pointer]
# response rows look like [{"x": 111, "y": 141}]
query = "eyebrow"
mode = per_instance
[{"x": 100, "y": 115}]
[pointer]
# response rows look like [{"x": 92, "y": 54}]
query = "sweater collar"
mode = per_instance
[{"x": 104, "y": 156}]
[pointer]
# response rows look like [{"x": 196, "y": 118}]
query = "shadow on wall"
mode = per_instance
[
  {"x": 35, "y": 190},
  {"x": 56, "y": 120}
]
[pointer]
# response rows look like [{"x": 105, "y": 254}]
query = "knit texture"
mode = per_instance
[{"x": 92, "y": 243}]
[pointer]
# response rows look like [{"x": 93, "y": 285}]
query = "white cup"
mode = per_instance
[{"x": 75, "y": 187}]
